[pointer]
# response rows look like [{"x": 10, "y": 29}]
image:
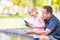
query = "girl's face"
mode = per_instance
[{"x": 32, "y": 13}]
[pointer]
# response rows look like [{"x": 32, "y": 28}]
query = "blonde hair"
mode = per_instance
[{"x": 32, "y": 9}]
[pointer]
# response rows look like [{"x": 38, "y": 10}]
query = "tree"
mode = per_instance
[
  {"x": 16, "y": 2},
  {"x": 55, "y": 4},
  {"x": 40, "y": 3}
]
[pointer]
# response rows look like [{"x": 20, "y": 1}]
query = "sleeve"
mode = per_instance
[{"x": 52, "y": 24}]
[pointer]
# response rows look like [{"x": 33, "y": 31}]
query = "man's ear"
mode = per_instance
[{"x": 48, "y": 14}]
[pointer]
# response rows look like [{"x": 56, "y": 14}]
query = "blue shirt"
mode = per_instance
[{"x": 54, "y": 25}]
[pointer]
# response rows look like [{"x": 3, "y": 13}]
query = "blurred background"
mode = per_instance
[{"x": 11, "y": 10}]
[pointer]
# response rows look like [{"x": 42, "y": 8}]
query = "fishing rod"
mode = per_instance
[{"x": 26, "y": 23}]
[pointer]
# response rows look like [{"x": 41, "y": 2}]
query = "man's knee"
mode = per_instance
[
  {"x": 44, "y": 38},
  {"x": 51, "y": 37}
]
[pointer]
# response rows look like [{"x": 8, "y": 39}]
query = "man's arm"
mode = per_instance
[
  {"x": 51, "y": 26},
  {"x": 46, "y": 32}
]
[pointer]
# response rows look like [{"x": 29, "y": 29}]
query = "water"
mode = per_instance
[{"x": 14, "y": 35}]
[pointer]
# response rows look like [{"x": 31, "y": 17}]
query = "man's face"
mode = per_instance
[{"x": 45, "y": 15}]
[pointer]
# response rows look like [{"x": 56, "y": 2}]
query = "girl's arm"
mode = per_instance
[{"x": 42, "y": 24}]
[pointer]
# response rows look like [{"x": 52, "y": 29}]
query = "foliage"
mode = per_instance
[
  {"x": 16, "y": 2},
  {"x": 54, "y": 3},
  {"x": 25, "y": 3},
  {"x": 40, "y": 3}
]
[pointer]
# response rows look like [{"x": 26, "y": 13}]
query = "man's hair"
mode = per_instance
[{"x": 48, "y": 8}]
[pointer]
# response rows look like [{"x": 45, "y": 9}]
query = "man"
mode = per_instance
[{"x": 52, "y": 30}]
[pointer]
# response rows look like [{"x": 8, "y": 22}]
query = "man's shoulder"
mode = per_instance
[{"x": 54, "y": 18}]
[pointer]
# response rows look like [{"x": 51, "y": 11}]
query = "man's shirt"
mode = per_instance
[{"x": 54, "y": 25}]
